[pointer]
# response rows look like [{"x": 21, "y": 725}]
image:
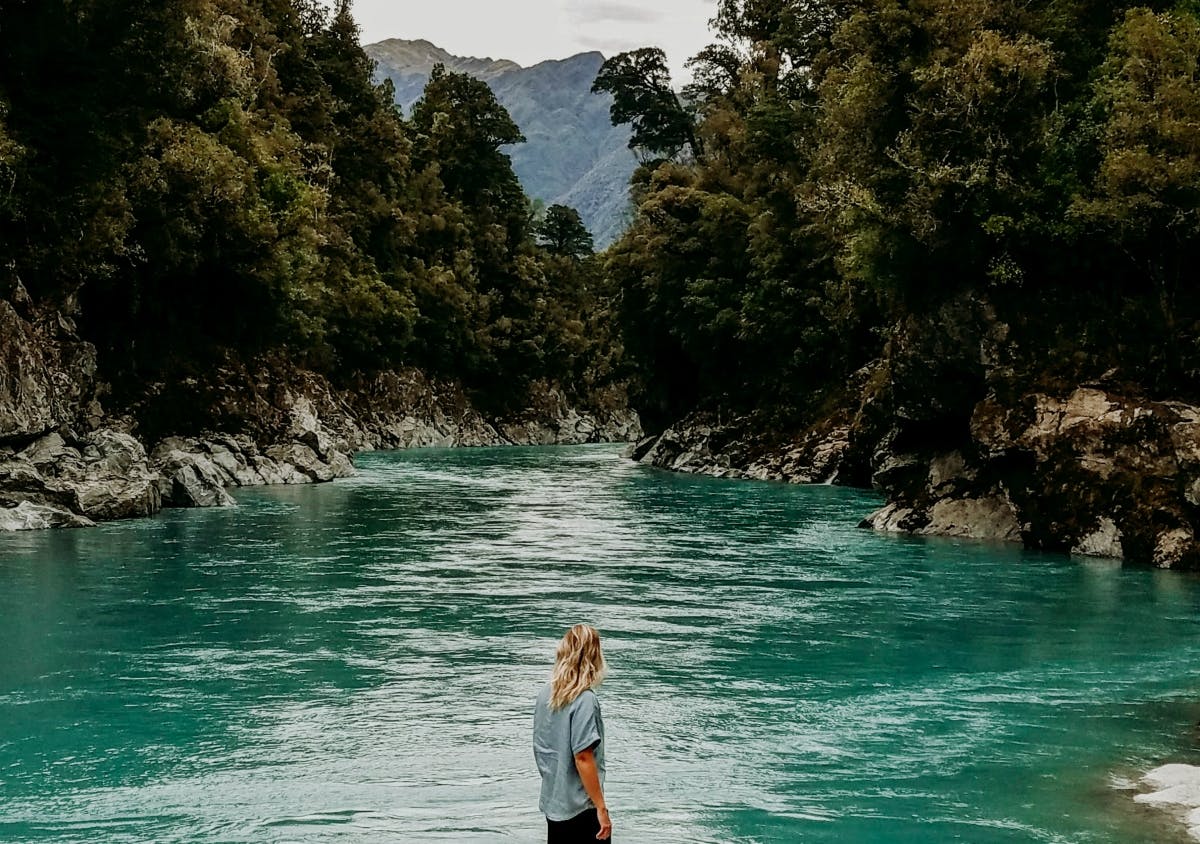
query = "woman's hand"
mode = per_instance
[
  {"x": 605, "y": 832},
  {"x": 589, "y": 774}
]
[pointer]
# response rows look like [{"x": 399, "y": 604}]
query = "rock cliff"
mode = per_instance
[
  {"x": 47, "y": 375},
  {"x": 65, "y": 462},
  {"x": 969, "y": 437},
  {"x": 1086, "y": 470}
]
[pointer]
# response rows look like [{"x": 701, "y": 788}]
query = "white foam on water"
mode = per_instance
[{"x": 1175, "y": 789}]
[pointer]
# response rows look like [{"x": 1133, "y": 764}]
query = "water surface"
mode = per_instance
[{"x": 357, "y": 663}]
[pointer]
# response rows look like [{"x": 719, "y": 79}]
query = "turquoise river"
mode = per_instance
[{"x": 357, "y": 663}]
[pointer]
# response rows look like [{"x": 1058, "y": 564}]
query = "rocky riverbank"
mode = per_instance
[
  {"x": 969, "y": 439},
  {"x": 66, "y": 462},
  {"x": 1090, "y": 471}
]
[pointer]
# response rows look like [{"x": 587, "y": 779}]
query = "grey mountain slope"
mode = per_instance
[
  {"x": 572, "y": 154},
  {"x": 409, "y": 63}
]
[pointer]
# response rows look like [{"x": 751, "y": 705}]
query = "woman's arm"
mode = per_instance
[{"x": 585, "y": 764}]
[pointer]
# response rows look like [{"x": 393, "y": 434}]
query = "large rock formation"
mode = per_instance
[
  {"x": 1088, "y": 471},
  {"x": 49, "y": 476},
  {"x": 977, "y": 439},
  {"x": 968, "y": 439},
  {"x": 104, "y": 475},
  {"x": 65, "y": 463},
  {"x": 47, "y": 375}
]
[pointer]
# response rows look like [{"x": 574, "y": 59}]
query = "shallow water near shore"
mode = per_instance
[{"x": 357, "y": 662}]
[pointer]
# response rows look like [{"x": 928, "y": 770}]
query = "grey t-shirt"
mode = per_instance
[{"x": 557, "y": 736}]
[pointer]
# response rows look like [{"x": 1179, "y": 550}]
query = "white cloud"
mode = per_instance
[{"x": 529, "y": 31}]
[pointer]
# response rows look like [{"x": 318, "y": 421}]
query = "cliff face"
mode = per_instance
[
  {"x": 573, "y": 155},
  {"x": 1086, "y": 470},
  {"x": 66, "y": 462},
  {"x": 47, "y": 375},
  {"x": 1003, "y": 451},
  {"x": 967, "y": 437}
]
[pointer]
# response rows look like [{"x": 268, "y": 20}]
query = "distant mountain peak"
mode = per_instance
[
  {"x": 420, "y": 56},
  {"x": 573, "y": 154}
]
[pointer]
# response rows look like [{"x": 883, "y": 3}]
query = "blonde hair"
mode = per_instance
[{"x": 578, "y": 665}]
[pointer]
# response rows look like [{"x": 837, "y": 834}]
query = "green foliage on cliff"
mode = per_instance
[
  {"x": 866, "y": 160},
  {"x": 215, "y": 176}
]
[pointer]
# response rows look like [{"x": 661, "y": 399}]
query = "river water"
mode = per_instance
[{"x": 357, "y": 663}]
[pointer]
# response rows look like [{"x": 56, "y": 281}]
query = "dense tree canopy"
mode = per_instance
[
  {"x": 208, "y": 177},
  {"x": 865, "y": 160}
]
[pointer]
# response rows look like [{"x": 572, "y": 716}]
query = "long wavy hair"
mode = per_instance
[{"x": 578, "y": 665}]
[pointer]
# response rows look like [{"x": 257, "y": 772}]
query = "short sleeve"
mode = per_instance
[{"x": 585, "y": 723}]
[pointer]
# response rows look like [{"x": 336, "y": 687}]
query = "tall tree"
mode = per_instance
[
  {"x": 640, "y": 85},
  {"x": 460, "y": 127},
  {"x": 562, "y": 232}
]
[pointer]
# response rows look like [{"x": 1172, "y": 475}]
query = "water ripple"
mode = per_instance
[{"x": 357, "y": 662}]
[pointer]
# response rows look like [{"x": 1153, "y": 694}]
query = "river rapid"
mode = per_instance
[{"x": 357, "y": 662}]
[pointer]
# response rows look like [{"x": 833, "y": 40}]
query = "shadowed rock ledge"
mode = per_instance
[
  {"x": 65, "y": 462},
  {"x": 968, "y": 440}
]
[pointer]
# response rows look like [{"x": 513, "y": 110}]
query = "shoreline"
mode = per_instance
[
  {"x": 1087, "y": 470},
  {"x": 61, "y": 479}
]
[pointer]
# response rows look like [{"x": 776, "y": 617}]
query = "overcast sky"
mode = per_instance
[{"x": 530, "y": 31}]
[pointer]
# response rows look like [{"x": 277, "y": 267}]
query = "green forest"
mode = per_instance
[
  {"x": 207, "y": 179},
  {"x": 836, "y": 168}
]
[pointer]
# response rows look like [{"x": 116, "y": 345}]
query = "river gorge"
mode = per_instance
[{"x": 357, "y": 661}]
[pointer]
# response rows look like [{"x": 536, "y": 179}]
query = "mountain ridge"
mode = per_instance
[
  {"x": 419, "y": 56},
  {"x": 573, "y": 155}
]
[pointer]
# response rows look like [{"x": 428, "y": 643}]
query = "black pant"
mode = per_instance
[{"x": 580, "y": 829}]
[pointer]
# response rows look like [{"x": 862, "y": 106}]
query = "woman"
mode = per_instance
[{"x": 568, "y": 742}]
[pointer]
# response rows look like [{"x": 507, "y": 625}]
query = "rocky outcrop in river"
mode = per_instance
[
  {"x": 63, "y": 479},
  {"x": 703, "y": 444},
  {"x": 1088, "y": 471},
  {"x": 966, "y": 439},
  {"x": 65, "y": 462}
]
